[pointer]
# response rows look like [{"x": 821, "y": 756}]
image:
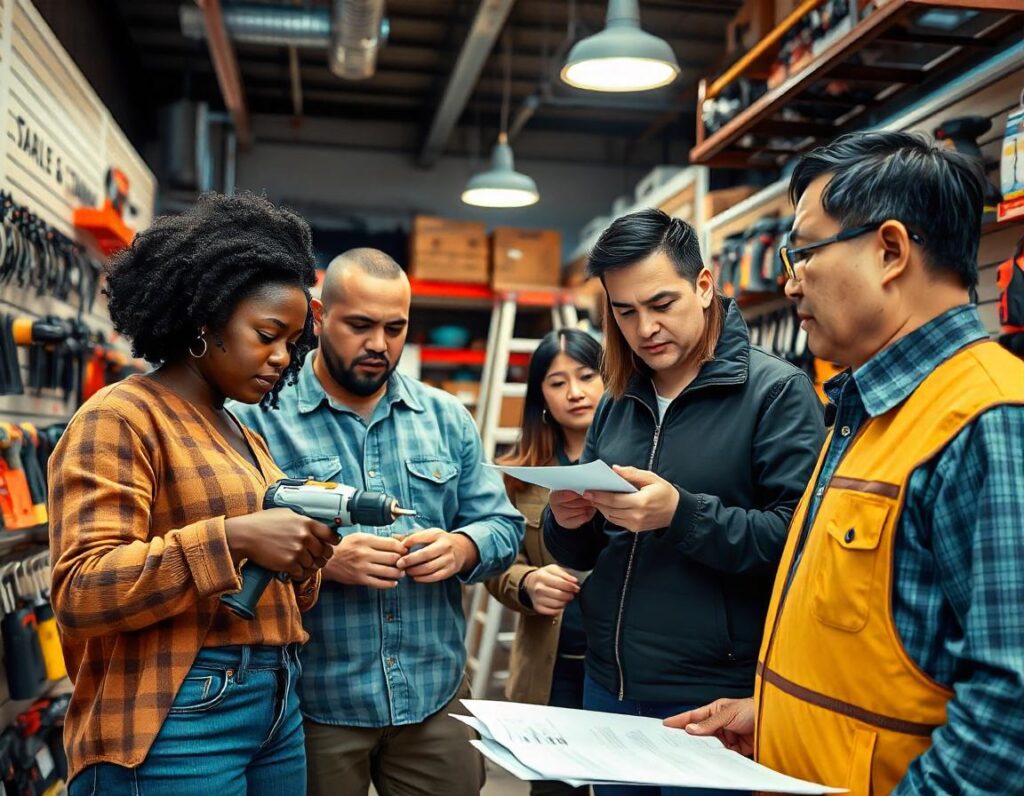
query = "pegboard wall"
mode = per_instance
[
  {"x": 58, "y": 148},
  {"x": 58, "y": 151}
]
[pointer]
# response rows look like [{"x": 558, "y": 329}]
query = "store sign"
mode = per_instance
[
  {"x": 54, "y": 164},
  {"x": 60, "y": 143}
]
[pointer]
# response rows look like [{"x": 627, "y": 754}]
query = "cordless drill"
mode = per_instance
[{"x": 336, "y": 505}]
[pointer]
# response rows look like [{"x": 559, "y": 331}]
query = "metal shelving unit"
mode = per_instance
[{"x": 898, "y": 46}]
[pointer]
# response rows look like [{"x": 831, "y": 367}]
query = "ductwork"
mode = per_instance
[
  {"x": 357, "y": 35},
  {"x": 277, "y": 26},
  {"x": 352, "y": 35}
]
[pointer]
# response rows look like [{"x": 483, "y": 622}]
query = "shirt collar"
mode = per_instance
[
  {"x": 311, "y": 393},
  {"x": 891, "y": 375}
]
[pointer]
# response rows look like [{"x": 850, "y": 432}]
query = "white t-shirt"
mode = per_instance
[{"x": 662, "y": 406}]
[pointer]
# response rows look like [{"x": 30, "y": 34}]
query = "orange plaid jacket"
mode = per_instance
[{"x": 140, "y": 486}]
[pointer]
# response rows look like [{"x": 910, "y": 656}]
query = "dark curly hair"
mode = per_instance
[{"x": 190, "y": 271}]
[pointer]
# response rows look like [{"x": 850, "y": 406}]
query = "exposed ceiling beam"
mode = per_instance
[
  {"x": 490, "y": 19},
  {"x": 226, "y": 66},
  {"x": 295, "y": 73}
]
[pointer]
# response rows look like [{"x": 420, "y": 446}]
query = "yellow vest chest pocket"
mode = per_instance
[{"x": 847, "y": 556}]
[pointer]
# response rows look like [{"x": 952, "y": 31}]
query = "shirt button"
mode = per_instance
[
  {"x": 372, "y": 473},
  {"x": 820, "y": 492},
  {"x": 850, "y": 535},
  {"x": 389, "y": 617},
  {"x": 845, "y": 431},
  {"x": 390, "y": 661}
]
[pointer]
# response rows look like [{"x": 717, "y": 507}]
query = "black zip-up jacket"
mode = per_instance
[{"x": 676, "y": 615}]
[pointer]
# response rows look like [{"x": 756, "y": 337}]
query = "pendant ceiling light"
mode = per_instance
[
  {"x": 502, "y": 185},
  {"x": 621, "y": 57}
]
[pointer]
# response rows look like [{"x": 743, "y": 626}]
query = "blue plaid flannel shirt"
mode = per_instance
[
  {"x": 958, "y": 590},
  {"x": 377, "y": 658}
]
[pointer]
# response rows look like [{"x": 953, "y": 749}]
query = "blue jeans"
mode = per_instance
[
  {"x": 597, "y": 697},
  {"x": 234, "y": 729}
]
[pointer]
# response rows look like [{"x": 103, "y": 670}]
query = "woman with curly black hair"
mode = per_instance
[{"x": 155, "y": 497}]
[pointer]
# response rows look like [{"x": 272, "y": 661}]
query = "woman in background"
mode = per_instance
[{"x": 563, "y": 389}]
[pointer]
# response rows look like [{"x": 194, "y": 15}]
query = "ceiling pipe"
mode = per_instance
[
  {"x": 276, "y": 26},
  {"x": 356, "y": 38},
  {"x": 490, "y": 19},
  {"x": 352, "y": 32}
]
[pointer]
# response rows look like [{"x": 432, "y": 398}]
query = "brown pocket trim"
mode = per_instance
[
  {"x": 844, "y": 708},
  {"x": 882, "y": 488}
]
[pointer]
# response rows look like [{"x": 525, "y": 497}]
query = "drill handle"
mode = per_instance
[{"x": 255, "y": 580}]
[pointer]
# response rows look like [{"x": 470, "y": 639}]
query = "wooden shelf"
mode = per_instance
[
  {"x": 996, "y": 226},
  {"x": 804, "y": 111}
]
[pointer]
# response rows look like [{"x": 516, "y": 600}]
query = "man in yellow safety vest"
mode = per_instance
[{"x": 893, "y": 654}]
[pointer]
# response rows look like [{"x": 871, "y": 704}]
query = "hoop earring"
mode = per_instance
[
  {"x": 202, "y": 353},
  {"x": 544, "y": 416}
]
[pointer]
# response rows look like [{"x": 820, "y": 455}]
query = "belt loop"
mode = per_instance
[{"x": 243, "y": 664}]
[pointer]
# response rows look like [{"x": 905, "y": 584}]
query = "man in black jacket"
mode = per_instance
[{"x": 720, "y": 438}]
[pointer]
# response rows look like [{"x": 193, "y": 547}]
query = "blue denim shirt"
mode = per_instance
[
  {"x": 388, "y": 657},
  {"x": 958, "y": 586}
]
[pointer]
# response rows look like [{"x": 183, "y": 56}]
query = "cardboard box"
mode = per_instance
[
  {"x": 525, "y": 258},
  {"x": 718, "y": 201},
  {"x": 448, "y": 251}
]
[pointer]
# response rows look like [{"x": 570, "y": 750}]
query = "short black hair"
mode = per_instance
[
  {"x": 636, "y": 236},
  {"x": 189, "y": 271},
  {"x": 877, "y": 176}
]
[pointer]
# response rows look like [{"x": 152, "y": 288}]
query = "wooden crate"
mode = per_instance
[
  {"x": 444, "y": 250},
  {"x": 525, "y": 257}
]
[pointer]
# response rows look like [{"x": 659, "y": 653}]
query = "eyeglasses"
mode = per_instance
[{"x": 795, "y": 254}]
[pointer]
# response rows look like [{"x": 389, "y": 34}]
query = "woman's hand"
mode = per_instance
[
  {"x": 551, "y": 588},
  {"x": 281, "y": 541},
  {"x": 570, "y": 510}
]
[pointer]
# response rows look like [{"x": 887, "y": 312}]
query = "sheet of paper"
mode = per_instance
[
  {"x": 501, "y": 756},
  {"x": 589, "y": 746},
  {"x": 595, "y": 476},
  {"x": 475, "y": 724}
]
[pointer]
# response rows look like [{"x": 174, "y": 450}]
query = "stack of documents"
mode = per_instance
[{"x": 580, "y": 747}]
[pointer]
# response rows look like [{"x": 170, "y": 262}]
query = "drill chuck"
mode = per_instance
[{"x": 335, "y": 505}]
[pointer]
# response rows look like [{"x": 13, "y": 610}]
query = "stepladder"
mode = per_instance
[
  {"x": 501, "y": 344},
  {"x": 488, "y": 620}
]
